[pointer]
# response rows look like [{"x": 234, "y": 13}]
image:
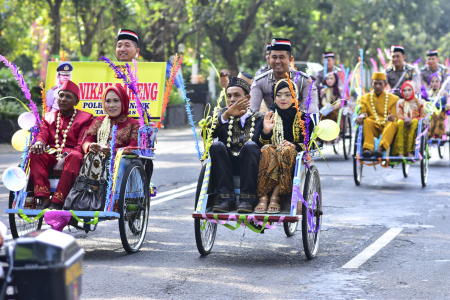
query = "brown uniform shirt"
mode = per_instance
[
  {"x": 425, "y": 73},
  {"x": 393, "y": 77}
]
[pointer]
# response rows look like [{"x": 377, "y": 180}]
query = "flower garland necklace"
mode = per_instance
[
  {"x": 230, "y": 128},
  {"x": 278, "y": 132},
  {"x": 59, "y": 148},
  {"x": 385, "y": 108},
  {"x": 103, "y": 131}
]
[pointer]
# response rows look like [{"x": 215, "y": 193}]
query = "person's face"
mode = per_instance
[
  {"x": 397, "y": 59},
  {"x": 268, "y": 57},
  {"x": 113, "y": 107},
  {"x": 435, "y": 83},
  {"x": 126, "y": 50},
  {"x": 63, "y": 78},
  {"x": 407, "y": 92},
  {"x": 279, "y": 61},
  {"x": 330, "y": 62},
  {"x": 432, "y": 62},
  {"x": 284, "y": 98},
  {"x": 330, "y": 81},
  {"x": 378, "y": 86},
  {"x": 66, "y": 101},
  {"x": 235, "y": 93}
]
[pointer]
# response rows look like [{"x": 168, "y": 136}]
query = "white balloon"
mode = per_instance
[
  {"x": 26, "y": 120},
  {"x": 14, "y": 179}
]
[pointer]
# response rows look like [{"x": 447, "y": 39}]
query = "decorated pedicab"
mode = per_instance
[
  {"x": 129, "y": 187},
  {"x": 344, "y": 116},
  {"x": 421, "y": 149},
  {"x": 306, "y": 191}
]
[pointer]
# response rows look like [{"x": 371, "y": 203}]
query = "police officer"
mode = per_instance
[
  {"x": 279, "y": 60},
  {"x": 400, "y": 71},
  {"x": 331, "y": 68},
  {"x": 127, "y": 47},
  {"x": 433, "y": 66},
  {"x": 265, "y": 68},
  {"x": 64, "y": 74}
]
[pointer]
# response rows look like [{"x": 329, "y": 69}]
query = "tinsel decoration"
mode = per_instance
[
  {"x": 44, "y": 102},
  {"x": 131, "y": 84},
  {"x": 190, "y": 117},
  {"x": 177, "y": 61},
  {"x": 23, "y": 86},
  {"x": 374, "y": 64},
  {"x": 361, "y": 55},
  {"x": 211, "y": 129},
  {"x": 112, "y": 158},
  {"x": 152, "y": 190},
  {"x": 381, "y": 57}
]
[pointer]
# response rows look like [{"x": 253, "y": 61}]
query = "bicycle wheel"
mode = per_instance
[
  {"x": 290, "y": 228},
  {"x": 441, "y": 150},
  {"x": 424, "y": 150},
  {"x": 18, "y": 226},
  {"x": 335, "y": 148},
  {"x": 405, "y": 168},
  {"x": 312, "y": 193},
  {"x": 205, "y": 231},
  {"x": 357, "y": 169},
  {"x": 134, "y": 205},
  {"x": 347, "y": 137}
]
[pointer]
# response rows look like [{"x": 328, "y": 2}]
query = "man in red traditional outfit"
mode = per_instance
[{"x": 58, "y": 148}]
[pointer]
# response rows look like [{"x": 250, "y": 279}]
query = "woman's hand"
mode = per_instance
[
  {"x": 288, "y": 144},
  {"x": 269, "y": 123},
  {"x": 94, "y": 147}
]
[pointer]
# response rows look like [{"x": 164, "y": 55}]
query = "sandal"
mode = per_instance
[
  {"x": 274, "y": 205},
  {"x": 262, "y": 205}
]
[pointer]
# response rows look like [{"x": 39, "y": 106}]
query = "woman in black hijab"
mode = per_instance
[{"x": 283, "y": 138}]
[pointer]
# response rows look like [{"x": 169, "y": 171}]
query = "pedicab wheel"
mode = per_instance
[
  {"x": 405, "y": 168},
  {"x": 424, "y": 150},
  {"x": 347, "y": 137},
  {"x": 134, "y": 206},
  {"x": 441, "y": 150},
  {"x": 357, "y": 169},
  {"x": 290, "y": 228},
  {"x": 335, "y": 148},
  {"x": 312, "y": 193},
  {"x": 18, "y": 226},
  {"x": 205, "y": 231}
]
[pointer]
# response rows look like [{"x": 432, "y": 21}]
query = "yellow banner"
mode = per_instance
[{"x": 94, "y": 77}]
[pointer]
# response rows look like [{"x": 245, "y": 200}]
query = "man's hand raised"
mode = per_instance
[{"x": 237, "y": 109}]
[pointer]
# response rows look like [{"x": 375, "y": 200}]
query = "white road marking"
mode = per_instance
[
  {"x": 170, "y": 192},
  {"x": 173, "y": 194},
  {"x": 370, "y": 251}
]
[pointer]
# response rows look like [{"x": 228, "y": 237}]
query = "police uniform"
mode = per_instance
[
  {"x": 396, "y": 78},
  {"x": 51, "y": 98},
  {"x": 425, "y": 72},
  {"x": 262, "y": 87}
]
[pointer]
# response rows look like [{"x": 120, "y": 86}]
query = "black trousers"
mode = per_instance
[{"x": 224, "y": 165}]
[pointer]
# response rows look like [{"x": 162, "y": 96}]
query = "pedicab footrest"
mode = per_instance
[
  {"x": 259, "y": 217},
  {"x": 80, "y": 214}
]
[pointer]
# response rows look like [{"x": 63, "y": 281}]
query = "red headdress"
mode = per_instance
[
  {"x": 408, "y": 83},
  {"x": 123, "y": 96},
  {"x": 71, "y": 87}
]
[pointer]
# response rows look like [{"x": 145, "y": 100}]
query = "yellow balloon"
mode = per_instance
[
  {"x": 19, "y": 139},
  {"x": 328, "y": 130}
]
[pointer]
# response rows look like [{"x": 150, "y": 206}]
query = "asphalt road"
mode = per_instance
[{"x": 415, "y": 264}]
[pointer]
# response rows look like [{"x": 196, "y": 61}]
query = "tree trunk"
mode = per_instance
[{"x": 56, "y": 20}]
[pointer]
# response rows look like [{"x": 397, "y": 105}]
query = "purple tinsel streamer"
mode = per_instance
[
  {"x": 23, "y": 86},
  {"x": 112, "y": 158},
  {"x": 308, "y": 103},
  {"x": 129, "y": 84},
  {"x": 296, "y": 195}
]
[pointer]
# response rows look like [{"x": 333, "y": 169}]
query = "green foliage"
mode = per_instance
[{"x": 175, "y": 97}]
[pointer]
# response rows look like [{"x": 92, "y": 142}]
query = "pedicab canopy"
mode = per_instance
[{"x": 94, "y": 77}]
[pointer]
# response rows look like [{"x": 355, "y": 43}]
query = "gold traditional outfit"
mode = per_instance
[{"x": 376, "y": 124}]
